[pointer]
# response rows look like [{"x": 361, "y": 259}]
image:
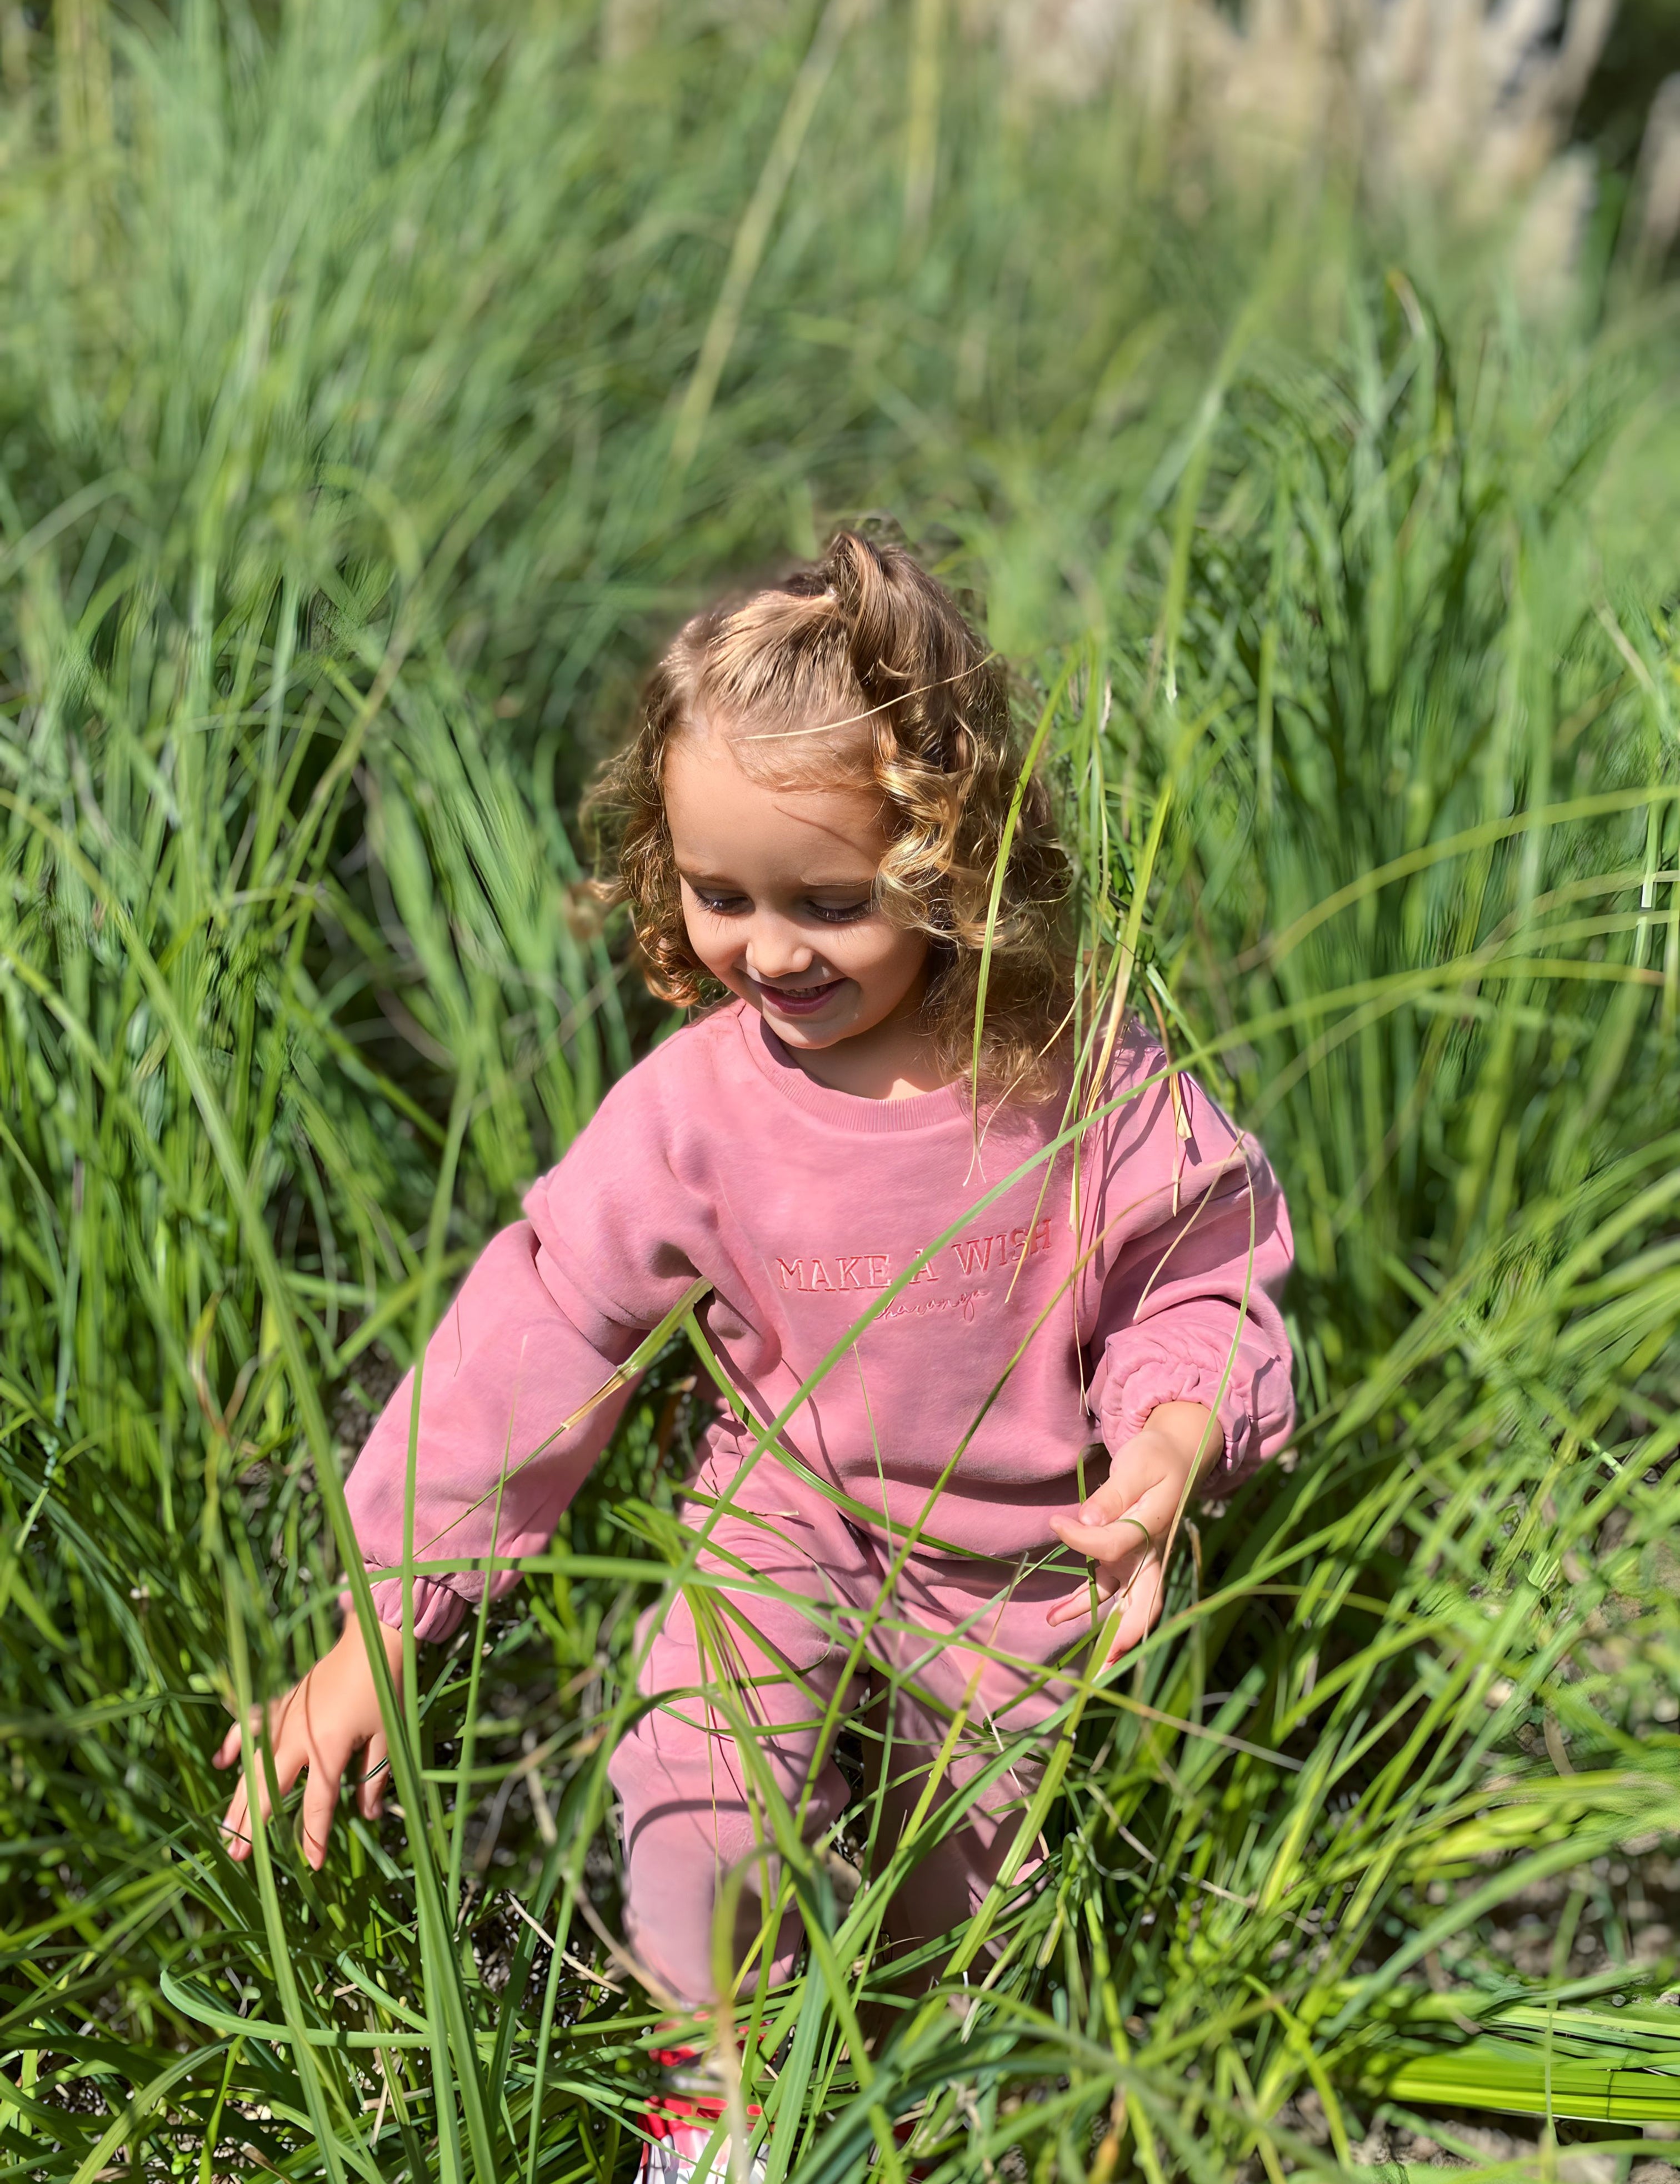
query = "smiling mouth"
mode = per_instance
[{"x": 798, "y": 1000}]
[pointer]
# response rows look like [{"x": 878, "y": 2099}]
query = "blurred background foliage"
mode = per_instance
[{"x": 378, "y": 383}]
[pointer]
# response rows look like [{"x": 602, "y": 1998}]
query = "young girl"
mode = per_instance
[{"x": 808, "y": 824}]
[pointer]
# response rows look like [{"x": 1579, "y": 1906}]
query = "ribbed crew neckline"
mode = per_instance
[{"x": 844, "y": 1110}]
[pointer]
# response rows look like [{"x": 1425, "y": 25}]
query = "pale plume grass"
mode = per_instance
[{"x": 1456, "y": 112}]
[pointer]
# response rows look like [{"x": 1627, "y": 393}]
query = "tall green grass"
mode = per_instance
[{"x": 375, "y": 384}]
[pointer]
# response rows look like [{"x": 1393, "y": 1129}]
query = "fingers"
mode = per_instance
[
  {"x": 289, "y": 1757},
  {"x": 236, "y": 1826},
  {"x": 1140, "y": 1614},
  {"x": 1140, "y": 1606},
  {"x": 1114, "y": 1551},
  {"x": 1112, "y": 1528},
  {"x": 1123, "y": 1540},
  {"x": 236, "y": 1821},
  {"x": 325, "y": 1773},
  {"x": 229, "y": 1749},
  {"x": 375, "y": 1774},
  {"x": 1125, "y": 1555},
  {"x": 276, "y": 1761},
  {"x": 329, "y": 1740},
  {"x": 325, "y": 1764},
  {"x": 332, "y": 1713},
  {"x": 1106, "y": 1583},
  {"x": 1136, "y": 1474},
  {"x": 320, "y": 1802},
  {"x": 1119, "y": 1493}
]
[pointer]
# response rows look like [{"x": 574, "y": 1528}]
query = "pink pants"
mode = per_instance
[{"x": 802, "y": 1580}]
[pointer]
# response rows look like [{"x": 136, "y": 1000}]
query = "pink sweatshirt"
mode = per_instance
[{"x": 719, "y": 1157}]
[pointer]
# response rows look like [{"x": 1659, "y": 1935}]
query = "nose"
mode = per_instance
[{"x": 776, "y": 949}]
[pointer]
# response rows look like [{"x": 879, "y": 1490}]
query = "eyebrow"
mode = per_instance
[{"x": 858, "y": 884}]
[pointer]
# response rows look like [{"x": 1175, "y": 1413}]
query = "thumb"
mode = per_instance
[
  {"x": 232, "y": 1745},
  {"x": 1100, "y": 1506}
]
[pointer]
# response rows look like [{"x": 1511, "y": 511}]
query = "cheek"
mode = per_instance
[
  {"x": 894, "y": 958},
  {"x": 705, "y": 939}
]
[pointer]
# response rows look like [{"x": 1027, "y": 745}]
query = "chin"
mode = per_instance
[{"x": 814, "y": 1036}]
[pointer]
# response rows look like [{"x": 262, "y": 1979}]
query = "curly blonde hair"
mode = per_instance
[{"x": 861, "y": 670}]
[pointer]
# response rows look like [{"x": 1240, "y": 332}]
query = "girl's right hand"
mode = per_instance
[{"x": 318, "y": 1725}]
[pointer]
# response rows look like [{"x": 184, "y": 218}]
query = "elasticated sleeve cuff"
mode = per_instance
[
  {"x": 439, "y": 1603},
  {"x": 1253, "y": 1418},
  {"x": 1154, "y": 1381}
]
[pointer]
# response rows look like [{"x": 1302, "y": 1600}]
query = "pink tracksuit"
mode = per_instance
[{"x": 1030, "y": 1344}]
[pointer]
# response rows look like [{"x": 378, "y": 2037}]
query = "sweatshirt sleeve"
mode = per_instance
[
  {"x": 1191, "y": 1247},
  {"x": 552, "y": 1306}
]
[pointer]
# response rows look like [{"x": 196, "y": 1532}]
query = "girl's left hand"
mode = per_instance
[{"x": 1124, "y": 1527}]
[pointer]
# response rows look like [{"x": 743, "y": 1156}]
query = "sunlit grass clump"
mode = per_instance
[{"x": 372, "y": 393}]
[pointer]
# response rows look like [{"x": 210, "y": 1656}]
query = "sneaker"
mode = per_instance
[{"x": 682, "y": 2122}]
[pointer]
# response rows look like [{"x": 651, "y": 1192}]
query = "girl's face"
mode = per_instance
[{"x": 778, "y": 895}]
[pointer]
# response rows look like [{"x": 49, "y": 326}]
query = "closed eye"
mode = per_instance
[{"x": 720, "y": 905}]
